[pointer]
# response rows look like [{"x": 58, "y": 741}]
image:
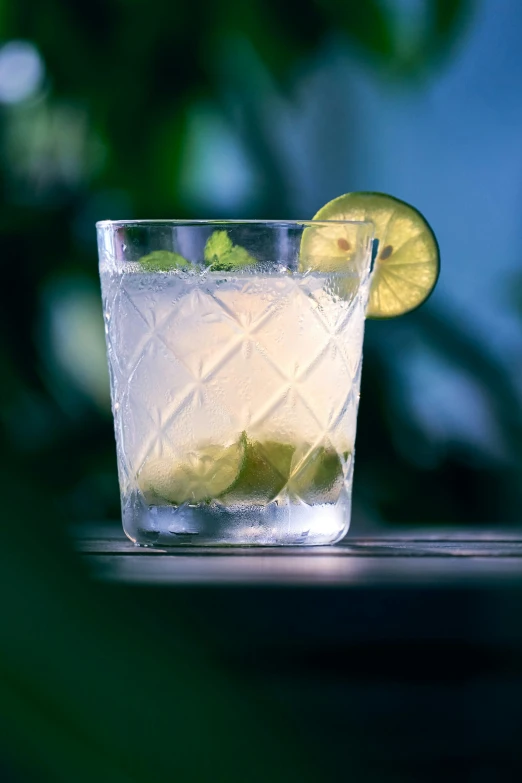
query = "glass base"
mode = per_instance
[{"x": 214, "y": 525}]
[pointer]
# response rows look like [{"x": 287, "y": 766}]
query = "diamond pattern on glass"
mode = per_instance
[
  {"x": 203, "y": 360},
  {"x": 201, "y": 333},
  {"x": 158, "y": 387},
  {"x": 293, "y": 337}
]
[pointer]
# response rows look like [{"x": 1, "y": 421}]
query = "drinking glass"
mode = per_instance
[{"x": 235, "y": 353}]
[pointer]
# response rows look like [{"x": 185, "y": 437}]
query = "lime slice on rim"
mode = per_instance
[
  {"x": 407, "y": 264},
  {"x": 201, "y": 475}
]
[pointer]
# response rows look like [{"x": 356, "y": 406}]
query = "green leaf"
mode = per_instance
[
  {"x": 218, "y": 244},
  {"x": 163, "y": 261},
  {"x": 448, "y": 16},
  {"x": 223, "y": 256},
  {"x": 238, "y": 258},
  {"x": 448, "y": 20},
  {"x": 367, "y": 25}
]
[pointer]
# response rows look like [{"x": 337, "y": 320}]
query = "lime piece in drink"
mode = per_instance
[
  {"x": 200, "y": 476},
  {"x": 221, "y": 255},
  {"x": 316, "y": 475},
  {"x": 163, "y": 261},
  {"x": 263, "y": 474},
  {"x": 407, "y": 264}
]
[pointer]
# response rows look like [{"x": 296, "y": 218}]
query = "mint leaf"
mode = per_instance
[
  {"x": 163, "y": 261},
  {"x": 239, "y": 257},
  {"x": 218, "y": 244},
  {"x": 221, "y": 255}
]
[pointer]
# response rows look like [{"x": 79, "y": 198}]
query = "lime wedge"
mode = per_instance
[
  {"x": 407, "y": 264},
  {"x": 199, "y": 477},
  {"x": 317, "y": 475},
  {"x": 263, "y": 474},
  {"x": 163, "y": 261}
]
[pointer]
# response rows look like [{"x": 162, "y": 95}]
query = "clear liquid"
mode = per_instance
[{"x": 202, "y": 359}]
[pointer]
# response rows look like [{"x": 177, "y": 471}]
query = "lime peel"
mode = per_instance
[{"x": 200, "y": 476}]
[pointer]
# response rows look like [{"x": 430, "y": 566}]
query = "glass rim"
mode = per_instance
[{"x": 227, "y": 221}]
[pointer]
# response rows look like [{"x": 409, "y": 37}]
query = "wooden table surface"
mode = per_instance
[
  {"x": 429, "y": 558},
  {"x": 398, "y": 656}
]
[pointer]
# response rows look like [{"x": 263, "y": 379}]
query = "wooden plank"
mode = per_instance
[
  {"x": 408, "y": 558},
  {"x": 302, "y": 570}
]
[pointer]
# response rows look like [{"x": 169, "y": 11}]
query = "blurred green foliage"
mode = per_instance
[{"x": 106, "y": 136}]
